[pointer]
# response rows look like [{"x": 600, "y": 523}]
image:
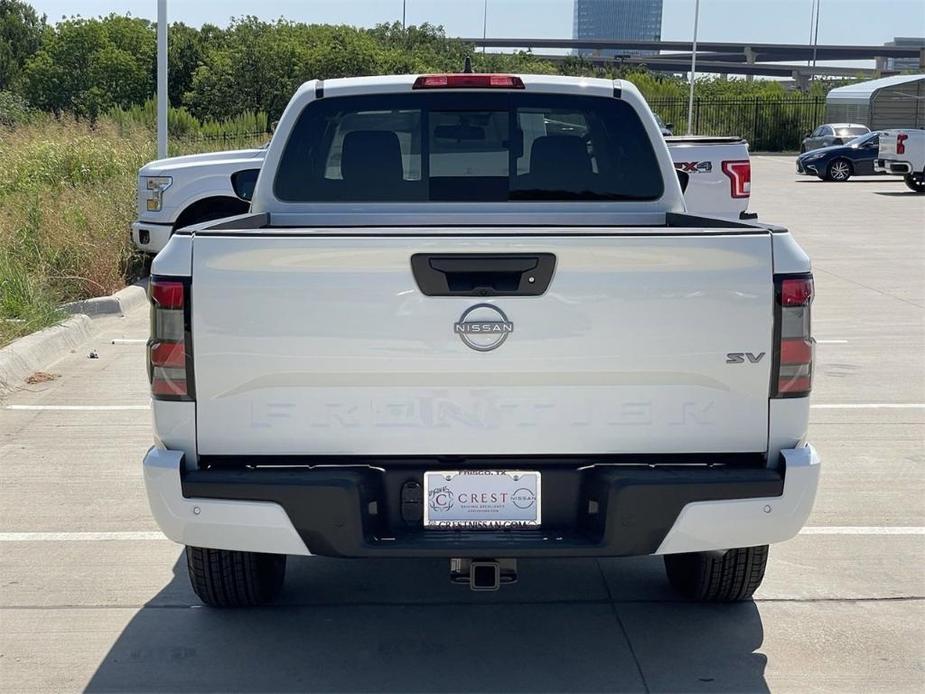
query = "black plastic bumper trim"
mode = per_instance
[{"x": 606, "y": 510}]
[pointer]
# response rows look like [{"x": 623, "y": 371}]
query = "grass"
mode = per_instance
[
  {"x": 23, "y": 298},
  {"x": 67, "y": 197}
]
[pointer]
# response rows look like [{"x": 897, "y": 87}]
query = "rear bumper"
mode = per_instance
[
  {"x": 889, "y": 166},
  {"x": 151, "y": 237},
  {"x": 601, "y": 510}
]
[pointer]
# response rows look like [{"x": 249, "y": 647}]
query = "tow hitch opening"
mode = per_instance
[{"x": 483, "y": 574}]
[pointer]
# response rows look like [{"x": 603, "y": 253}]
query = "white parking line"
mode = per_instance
[
  {"x": 81, "y": 537},
  {"x": 132, "y": 341},
  {"x": 862, "y": 530},
  {"x": 870, "y": 406},
  {"x": 77, "y": 408},
  {"x": 148, "y": 536}
]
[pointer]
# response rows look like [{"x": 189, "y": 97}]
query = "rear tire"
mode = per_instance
[
  {"x": 728, "y": 576},
  {"x": 839, "y": 170},
  {"x": 915, "y": 183},
  {"x": 223, "y": 578}
]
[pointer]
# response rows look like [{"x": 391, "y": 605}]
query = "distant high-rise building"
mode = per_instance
[
  {"x": 639, "y": 20},
  {"x": 902, "y": 64}
]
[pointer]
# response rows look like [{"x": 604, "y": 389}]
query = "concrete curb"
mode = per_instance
[
  {"x": 28, "y": 354},
  {"x": 23, "y": 357},
  {"x": 122, "y": 301}
]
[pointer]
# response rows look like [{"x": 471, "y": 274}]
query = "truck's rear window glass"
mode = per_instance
[
  {"x": 479, "y": 147},
  {"x": 851, "y": 132}
]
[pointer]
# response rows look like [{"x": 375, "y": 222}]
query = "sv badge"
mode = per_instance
[{"x": 742, "y": 357}]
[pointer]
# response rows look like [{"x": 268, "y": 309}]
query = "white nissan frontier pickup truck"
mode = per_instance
[{"x": 468, "y": 317}]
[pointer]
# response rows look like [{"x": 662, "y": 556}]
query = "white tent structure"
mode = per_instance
[{"x": 890, "y": 102}]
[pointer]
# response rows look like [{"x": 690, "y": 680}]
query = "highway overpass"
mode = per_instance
[
  {"x": 718, "y": 57},
  {"x": 731, "y": 51}
]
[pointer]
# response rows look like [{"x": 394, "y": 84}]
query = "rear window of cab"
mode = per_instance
[
  {"x": 465, "y": 146},
  {"x": 851, "y": 132}
]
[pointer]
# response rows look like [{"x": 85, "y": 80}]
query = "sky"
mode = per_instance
[
  {"x": 779, "y": 21},
  {"x": 782, "y": 21}
]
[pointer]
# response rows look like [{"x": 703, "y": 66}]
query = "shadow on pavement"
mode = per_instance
[{"x": 399, "y": 626}]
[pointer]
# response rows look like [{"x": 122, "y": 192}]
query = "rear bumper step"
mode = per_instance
[
  {"x": 601, "y": 510},
  {"x": 892, "y": 167}
]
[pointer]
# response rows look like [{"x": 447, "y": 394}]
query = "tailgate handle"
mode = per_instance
[{"x": 483, "y": 274}]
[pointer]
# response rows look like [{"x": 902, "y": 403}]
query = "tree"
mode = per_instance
[
  {"x": 185, "y": 53},
  {"x": 20, "y": 36},
  {"x": 90, "y": 65},
  {"x": 256, "y": 65}
]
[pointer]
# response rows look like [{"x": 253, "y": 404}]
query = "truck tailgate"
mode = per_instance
[
  {"x": 317, "y": 343},
  {"x": 713, "y": 166}
]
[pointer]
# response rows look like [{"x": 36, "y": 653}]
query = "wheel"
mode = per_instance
[
  {"x": 223, "y": 578},
  {"x": 727, "y": 576},
  {"x": 916, "y": 183},
  {"x": 839, "y": 170}
]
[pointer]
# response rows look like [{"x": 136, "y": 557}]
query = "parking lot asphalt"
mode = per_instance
[{"x": 93, "y": 598}]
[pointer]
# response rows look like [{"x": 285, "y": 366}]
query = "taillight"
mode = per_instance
[
  {"x": 792, "y": 375},
  {"x": 468, "y": 80},
  {"x": 740, "y": 177},
  {"x": 901, "y": 143},
  {"x": 170, "y": 358}
]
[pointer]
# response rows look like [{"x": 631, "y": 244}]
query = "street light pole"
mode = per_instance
[
  {"x": 404, "y": 7},
  {"x": 162, "y": 96},
  {"x": 816, "y": 36},
  {"x": 484, "y": 23},
  {"x": 690, "y": 101},
  {"x": 812, "y": 20}
]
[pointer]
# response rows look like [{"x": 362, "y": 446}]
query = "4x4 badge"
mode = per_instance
[{"x": 483, "y": 327}]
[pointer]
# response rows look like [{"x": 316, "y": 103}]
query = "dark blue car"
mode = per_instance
[{"x": 841, "y": 162}]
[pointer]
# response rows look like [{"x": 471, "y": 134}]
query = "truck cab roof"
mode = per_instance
[{"x": 379, "y": 84}]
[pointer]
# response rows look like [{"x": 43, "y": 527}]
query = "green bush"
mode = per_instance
[{"x": 13, "y": 109}]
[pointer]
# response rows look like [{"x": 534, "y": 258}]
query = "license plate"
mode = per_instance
[{"x": 481, "y": 499}]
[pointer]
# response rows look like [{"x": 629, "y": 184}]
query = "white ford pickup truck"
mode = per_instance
[
  {"x": 452, "y": 327},
  {"x": 179, "y": 191},
  {"x": 902, "y": 153}
]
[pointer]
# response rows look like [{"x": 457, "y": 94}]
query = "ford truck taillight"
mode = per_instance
[
  {"x": 740, "y": 177},
  {"x": 170, "y": 357},
  {"x": 901, "y": 143},
  {"x": 794, "y": 346}
]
